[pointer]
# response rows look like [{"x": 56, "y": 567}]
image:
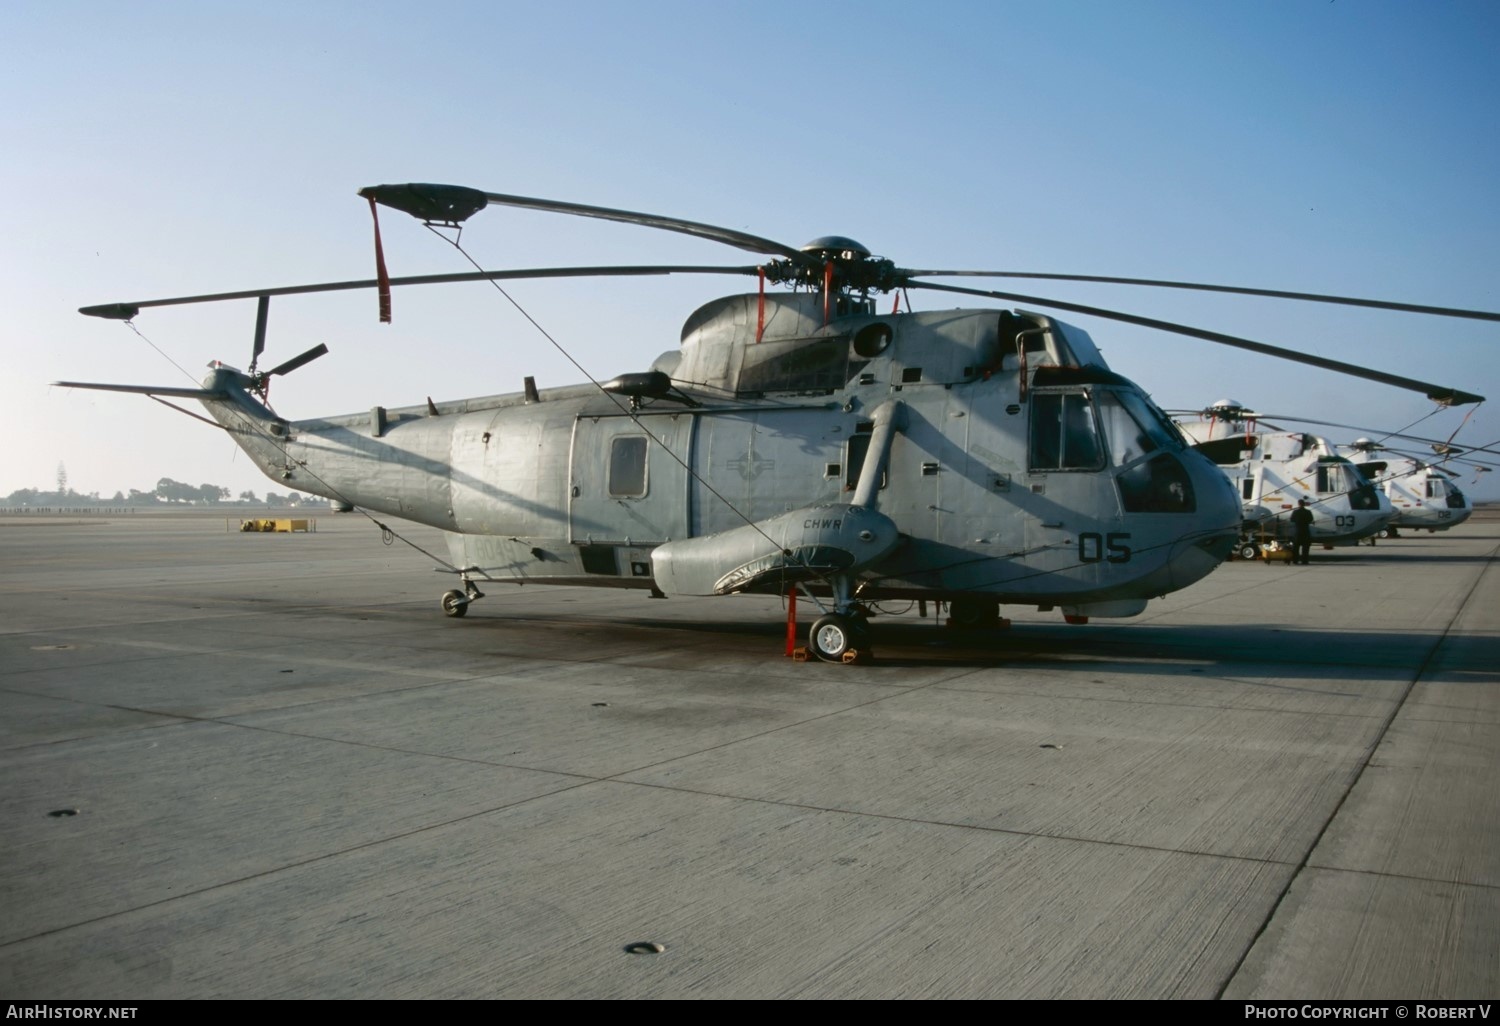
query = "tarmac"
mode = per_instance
[{"x": 267, "y": 766}]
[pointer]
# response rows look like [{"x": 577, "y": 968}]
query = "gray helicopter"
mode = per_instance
[{"x": 794, "y": 440}]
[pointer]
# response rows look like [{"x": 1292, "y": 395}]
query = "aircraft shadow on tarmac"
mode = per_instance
[{"x": 1151, "y": 650}]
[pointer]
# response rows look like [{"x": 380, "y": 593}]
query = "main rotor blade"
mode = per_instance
[
  {"x": 1382, "y": 432},
  {"x": 1310, "y": 297},
  {"x": 1457, "y": 448},
  {"x": 1427, "y": 459},
  {"x": 126, "y": 311},
  {"x": 153, "y": 390},
  {"x": 420, "y": 200},
  {"x": 1437, "y": 393}
]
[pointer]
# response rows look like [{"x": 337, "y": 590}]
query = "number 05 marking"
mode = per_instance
[{"x": 1094, "y": 547}]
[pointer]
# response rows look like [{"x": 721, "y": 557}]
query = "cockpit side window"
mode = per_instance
[
  {"x": 1064, "y": 434},
  {"x": 1340, "y": 477},
  {"x": 1330, "y": 479}
]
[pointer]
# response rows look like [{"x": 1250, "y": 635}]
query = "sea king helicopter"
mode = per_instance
[
  {"x": 1423, "y": 494},
  {"x": 1273, "y": 469},
  {"x": 796, "y": 440},
  {"x": 1274, "y": 466}
]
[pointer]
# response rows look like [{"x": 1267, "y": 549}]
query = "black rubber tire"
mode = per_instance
[
  {"x": 830, "y": 637},
  {"x": 455, "y": 603},
  {"x": 971, "y": 614},
  {"x": 1249, "y": 550}
]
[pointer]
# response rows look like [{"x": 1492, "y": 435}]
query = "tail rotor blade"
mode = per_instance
[{"x": 297, "y": 361}]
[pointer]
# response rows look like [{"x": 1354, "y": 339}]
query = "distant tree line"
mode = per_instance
[{"x": 166, "y": 492}]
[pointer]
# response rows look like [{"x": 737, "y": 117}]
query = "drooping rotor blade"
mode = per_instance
[
  {"x": 421, "y": 200},
  {"x": 1427, "y": 459},
  {"x": 1310, "y": 297},
  {"x": 127, "y": 311},
  {"x": 1384, "y": 434},
  {"x": 176, "y": 393},
  {"x": 1437, "y": 393},
  {"x": 297, "y": 361}
]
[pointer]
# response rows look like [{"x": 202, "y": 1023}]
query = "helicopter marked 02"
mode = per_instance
[
  {"x": 792, "y": 440},
  {"x": 1421, "y": 495}
]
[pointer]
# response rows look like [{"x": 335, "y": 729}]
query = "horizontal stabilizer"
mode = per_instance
[{"x": 179, "y": 393}]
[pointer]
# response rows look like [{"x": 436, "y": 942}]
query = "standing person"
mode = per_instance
[{"x": 1302, "y": 519}]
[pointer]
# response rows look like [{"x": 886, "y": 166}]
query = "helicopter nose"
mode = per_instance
[
  {"x": 1197, "y": 553},
  {"x": 1218, "y": 503}
]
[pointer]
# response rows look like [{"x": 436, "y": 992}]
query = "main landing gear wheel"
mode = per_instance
[
  {"x": 840, "y": 639},
  {"x": 455, "y": 603},
  {"x": 971, "y": 614},
  {"x": 1249, "y": 550}
]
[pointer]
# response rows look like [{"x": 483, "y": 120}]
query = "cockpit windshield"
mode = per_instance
[
  {"x": 1337, "y": 475},
  {"x": 1134, "y": 427}
]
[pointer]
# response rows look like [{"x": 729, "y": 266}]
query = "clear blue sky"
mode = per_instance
[{"x": 158, "y": 149}]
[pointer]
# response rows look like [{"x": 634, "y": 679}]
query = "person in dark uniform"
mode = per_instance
[{"x": 1302, "y": 519}]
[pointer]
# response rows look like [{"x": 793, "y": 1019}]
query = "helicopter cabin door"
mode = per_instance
[{"x": 627, "y": 492}]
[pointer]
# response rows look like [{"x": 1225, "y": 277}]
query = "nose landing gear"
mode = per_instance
[
  {"x": 838, "y": 638},
  {"x": 842, "y": 636}
]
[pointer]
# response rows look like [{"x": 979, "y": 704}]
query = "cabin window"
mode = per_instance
[
  {"x": 627, "y": 467},
  {"x": 1434, "y": 488},
  {"x": 1064, "y": 435},
  {"x": 1247, "y": 490}
]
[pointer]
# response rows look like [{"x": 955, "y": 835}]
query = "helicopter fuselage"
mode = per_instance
[{"x": 1023, "y": 469}]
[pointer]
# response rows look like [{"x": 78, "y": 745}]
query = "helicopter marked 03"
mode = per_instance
[
  {"x": 1271, "y": 470},
  {"x": 1423, "y": 494},
  {"x": 792, "y": 440}
]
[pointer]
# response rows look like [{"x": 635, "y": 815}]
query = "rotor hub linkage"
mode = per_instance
[{"x": 851, "y": 271}]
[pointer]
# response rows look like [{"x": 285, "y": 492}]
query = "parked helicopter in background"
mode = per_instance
[
  {"x": 1421, "y": 494},
  {"x": 1272, "y": 469},
  {"x": 798, "y": 440}
]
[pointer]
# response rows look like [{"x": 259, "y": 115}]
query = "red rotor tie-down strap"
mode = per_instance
[
  {"x": 760, "y": 308},
  {"x": 1460, "y": 425},
  {"x": 827, "y": 289},
  {"x": 382, "y": 276}
]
